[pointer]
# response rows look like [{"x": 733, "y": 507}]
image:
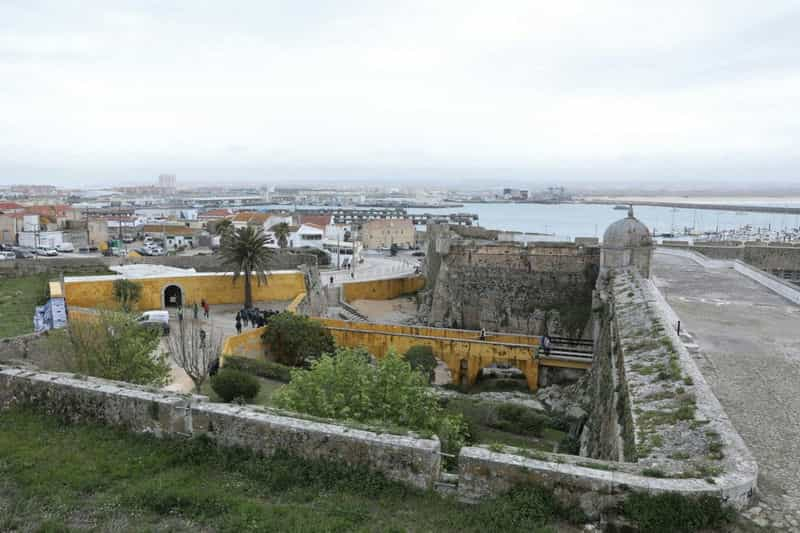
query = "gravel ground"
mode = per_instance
[{"x": 747, "y": 341}]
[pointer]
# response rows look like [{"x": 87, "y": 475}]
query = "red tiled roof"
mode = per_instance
[
  {"x": 217, "y": 213},
  {"x": 318, "y": 220},
  {"x": 10, "y": 205}
]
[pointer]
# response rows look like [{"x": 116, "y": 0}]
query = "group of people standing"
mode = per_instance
[
  {"x": 196, "y": 310},
  {"x": 252, "y": 316}
]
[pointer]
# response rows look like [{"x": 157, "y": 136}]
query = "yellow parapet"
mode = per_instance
[
  {"x": 382, "y": 289},
  {"x": 55, "y": 289}
]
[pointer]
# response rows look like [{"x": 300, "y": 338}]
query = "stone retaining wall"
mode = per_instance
[
  {"x": 410, "y": 460},
  {"x": 596, "y": 488}
]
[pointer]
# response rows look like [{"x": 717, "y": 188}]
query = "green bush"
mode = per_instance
[
  {"x": 421, "y": 358},
  {"x": 111, "y": 345},
  {"x": 295, "y": 339},
  {"x": 521, "y": 420},
  {"x": 233, "y": 385},
  {"x": 390, "y": 394},
  {"x": 260, "y": 368},
  {"x": 667, "y": 513}
]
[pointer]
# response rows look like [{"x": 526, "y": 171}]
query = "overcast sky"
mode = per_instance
[{"x": 439, "y": 91}]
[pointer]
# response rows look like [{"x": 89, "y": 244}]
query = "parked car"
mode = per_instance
[
  {"x": 23, "y": 254},
  {"x": 65, "y": 247},
  {"x": 155, "y": 319},
  {"x": 7, "y": 256},
  {"x": 418, "y": 254},
  {"x": 47, "y": 252}
]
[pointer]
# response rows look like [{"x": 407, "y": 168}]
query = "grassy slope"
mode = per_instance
[
  {"x": 18, "y": 298},
  {"x": 57, "y": 478}
]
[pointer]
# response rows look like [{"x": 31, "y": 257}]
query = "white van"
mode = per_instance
[
  {"x": 65, "y": 247},
  {"x": 155, "y": 319}
]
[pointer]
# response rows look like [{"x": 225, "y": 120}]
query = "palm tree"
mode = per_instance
[
  {"x": 281, "y": 232},
  {"x": 223, "y": 228},
  {"x": 245, "y": 252}
]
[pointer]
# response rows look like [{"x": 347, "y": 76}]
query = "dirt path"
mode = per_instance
[{"x": 748, "y": 345}]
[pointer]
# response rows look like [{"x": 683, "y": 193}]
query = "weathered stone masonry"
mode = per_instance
[
  {"x": 535, "y": 289},
  {"x": 411, "y": 460}
]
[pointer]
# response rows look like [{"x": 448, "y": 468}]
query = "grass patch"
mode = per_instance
[
  {"x": 53, "y": 476},
  {"x": 259, "y": 367},
  {"x": 18, "y": 300},
  {"x": 506, "y": 424},
  {"x": 668, "y": 513}
]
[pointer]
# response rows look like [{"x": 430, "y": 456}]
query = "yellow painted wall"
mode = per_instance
[
  {"x": 292, "y": 307},
  {"x": 479, "y": 354},
  {"x": 382, "y": 289},
  {"x": 215, "y": 288},
  {"x": 463, "y": 334},
  {"x": 248, "y": 344}
]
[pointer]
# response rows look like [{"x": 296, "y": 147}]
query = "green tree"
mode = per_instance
[
  {"x": 246, "y": 253},
  {"x": 390, "y": 393},
  {"x": 281, "y": 232},
  {"x": 296, "y": 339},
  {"x": 421, "y": 358},
  {"x": 127, "y": 293},
  {"x": 113, "y": 346}
]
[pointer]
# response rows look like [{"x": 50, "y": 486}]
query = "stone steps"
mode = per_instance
[{"x": 447, "y": 484}]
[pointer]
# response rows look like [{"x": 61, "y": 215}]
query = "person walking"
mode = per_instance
[
  {"x": 180, "y": 313},
  {"x": 206, "y": 308},
  {"x": 546, "y": 344},
  {"x": 483, "y": 334},
  {"x": 195, "y": 311},
  {"x": 331, "y": 280},
  {"x": 238, "y": 324}
]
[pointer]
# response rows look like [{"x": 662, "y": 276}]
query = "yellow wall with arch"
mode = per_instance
[
  {"x": 215, "y": 288},
  {"x": 382, "y": 289},
  {"x": 451, "y": 346}
]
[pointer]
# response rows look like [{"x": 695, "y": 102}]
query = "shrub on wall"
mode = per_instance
[
  {"x": 232, "y": 385},
  {"x": 389, "y": 393},
  {"x": 296, "y": 339},
  {"x": 127, "y": 293},
  {"x": 421, "y": 358},
  {"x": 112, "y": 346}
]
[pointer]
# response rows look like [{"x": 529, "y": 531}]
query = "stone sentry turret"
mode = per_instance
[{"x": 627, "y": 243}]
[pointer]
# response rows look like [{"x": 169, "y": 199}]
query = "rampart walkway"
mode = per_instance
[{"x": 748, "y": 348}]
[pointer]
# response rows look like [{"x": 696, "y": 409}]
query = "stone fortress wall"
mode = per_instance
[
  {"x": 540, "y": 288},
  {"x": 778, "y": 259}
]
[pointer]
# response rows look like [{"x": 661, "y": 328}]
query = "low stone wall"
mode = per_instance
[
  {"x": 594, "y": 486},
  {"x": 77, "y": 400},
  {"x": 777, "y": 285},
  {"x": 407, "y": 459},
  {"x": 774, "y": 283},
  {"x": 410, "y": 460},
  {"x": 77, "y": 264}
]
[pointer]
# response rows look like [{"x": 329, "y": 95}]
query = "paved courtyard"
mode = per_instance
[{"x": 748, "y": 348}]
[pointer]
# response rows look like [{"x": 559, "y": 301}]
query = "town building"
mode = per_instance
[{"x": 386, "y": 232}]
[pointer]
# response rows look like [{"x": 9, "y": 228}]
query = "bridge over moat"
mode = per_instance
[{"x": 463, "y": 351}]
